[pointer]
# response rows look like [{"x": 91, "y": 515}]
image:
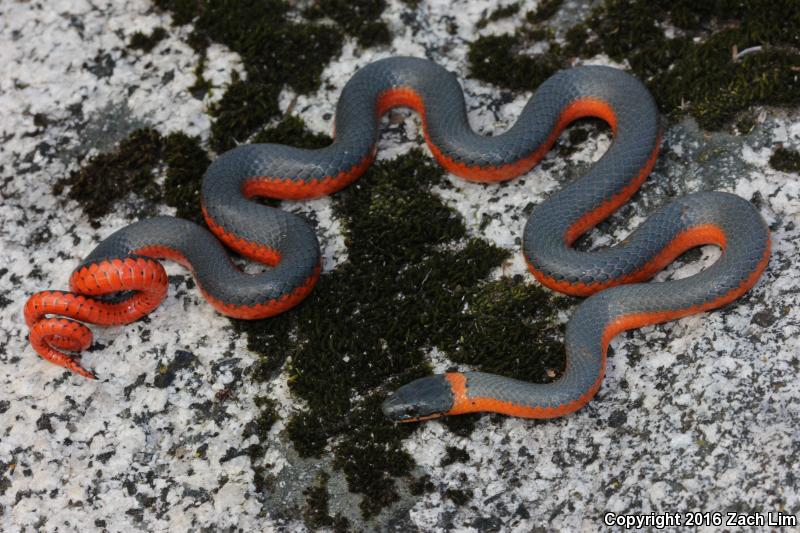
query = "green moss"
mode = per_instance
[
  {"x": 132, "y": 168},
  {"x": 458, "y": 496},
  {"x": 276, "y": 50},
  {"x": 316, "y": 512},
  {"x": 421, "y": 485},
  {"x": 292, "y": 131},
  {"x": 371, "y": 456},
  {"x": 410, "y": 271},
  {"x": 745, "y": 123},
  {"x": 359, "y": 19},
  {"x": 201, "y": 85},
  {"x": 697, "y": 71},
  {"x": 785, "y": 160},
  {"x": 144, "y": 42},
  {"x": 545, "y": 10},
  {"x": 454, "y": 455},
  {"x": 168, "y": 372},
  {"x": 497, "y": 59},
  {"x": 268, "y": 415},
  {"x": 125, "y": 170},
  {"x": 186, "y": 163},
  {"x": 501, "y": 12},
  {"x": 715, "y": 96},
  {"x": 705, "y": 78},
  {"x": 183, "y": 11},
  {"x": 245, "y": 106},
  {"x": 510, "y": 330}
]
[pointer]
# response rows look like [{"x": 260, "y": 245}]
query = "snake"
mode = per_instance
[{"x": 122, "y": 280}]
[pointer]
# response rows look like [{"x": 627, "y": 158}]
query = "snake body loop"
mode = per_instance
[{"x": 122, "y": 264}]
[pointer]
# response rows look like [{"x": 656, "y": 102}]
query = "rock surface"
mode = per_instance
[{"x": 701, "y": 414}]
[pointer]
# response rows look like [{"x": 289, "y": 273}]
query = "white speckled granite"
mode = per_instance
[{"x": 698, "y": 414}]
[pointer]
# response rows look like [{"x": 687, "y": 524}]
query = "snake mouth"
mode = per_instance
[{"x": 424, "y": 398}]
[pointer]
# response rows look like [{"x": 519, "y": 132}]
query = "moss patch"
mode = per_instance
[
  {"x": 454, "y": 455},
  {"x": 278, "y": 49},
  {"x": 132, "y": 168},
  {"x": 506, "y": 330},
  {"x": 545, "y": 10},
  {"x": 186, "y": 163},
  {"x": 128, "y": 168},
  {"x": 292, "y": 130},
  {"x": 411, "y": 271},
  {"x": 501, "y": 12},
  {"x": 144, "y": 42},
  {"x": 458, "y": 496},
  {"x": 498, "y": 59},
  {"x": 785, "y": 160},
  {"x": 702, "y": 69},
  {"x": 316, "y": 512},
  {"x": 268, "y": 415},
  {"x": 359, "y": 19}
]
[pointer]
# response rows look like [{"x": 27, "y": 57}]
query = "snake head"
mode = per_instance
[{"x": 424, "y": 398}]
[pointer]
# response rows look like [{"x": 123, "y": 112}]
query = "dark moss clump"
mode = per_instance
[
  {"x": 509, "y": 330},
  {"x": 458, "y": 496},
  {"x": 497, "y": 59},
  {"x": 316, "y": 512},
  {"x": 545, "y": 10},
  {"x": 145, "y": 43},
  {"x": 186, "y": 163},
  {"x": 133, "y": 166},
  {"x": 131, "y": 169},
  {"x": 708, "y": 79},
  {"x": 359, "y": 19},
  {"x": 245, "y": 106},
  {"x": 785, "y": 160},
  {"x": 292, "y": 131},
  {"x": 167, "y": 373},
  {"x": 277, "y": 51},
  {"x": 370, "y": 322},
  {"x": 183, "y": 11},
  {"x": 703, "y": 70},
  {"x": 745, "y": 123},
  {"x": 454, "y": 455},
  {"x": 128, "y": 169},
  {"x": 501, "y": 12},
  {"x": 362, "y": 456},
  {"x": 421, "y": 485},
  {"x": 268, "y": 415}
]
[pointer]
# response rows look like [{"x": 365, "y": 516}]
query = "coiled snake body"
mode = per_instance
[{"x": 124, "y": 265}]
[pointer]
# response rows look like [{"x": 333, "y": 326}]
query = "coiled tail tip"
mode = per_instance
[
  {"x": 50, "y": 336},
  {"x": 85, "y": 372},
  {"x": 59, "y": 338}
]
